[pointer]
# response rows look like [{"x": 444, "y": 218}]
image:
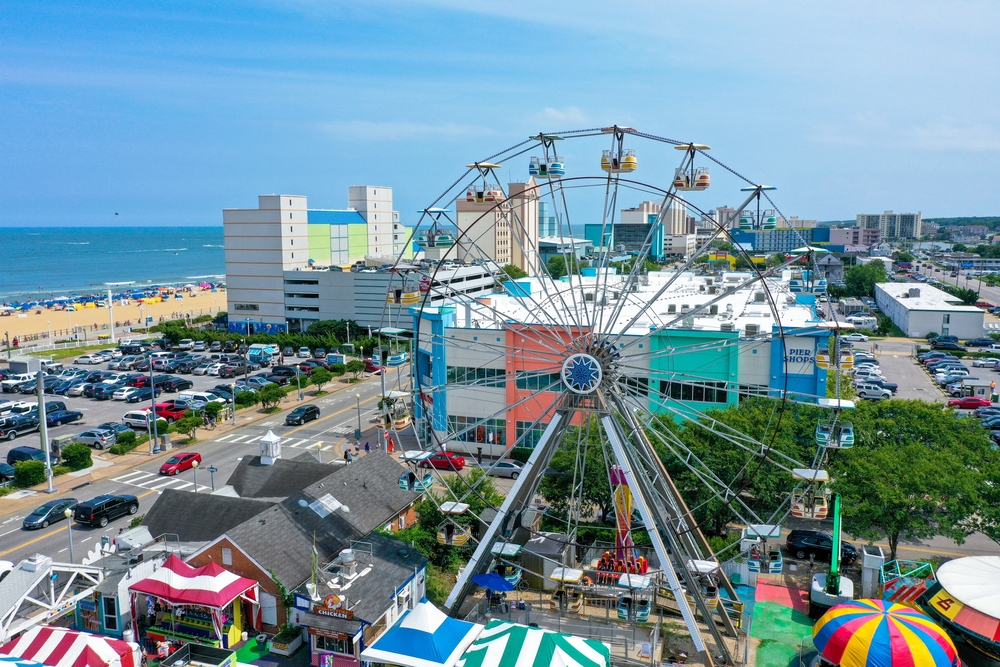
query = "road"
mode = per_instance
[
  {"x": 324, "y": 437},
  {"x": 986, "y": 293}
]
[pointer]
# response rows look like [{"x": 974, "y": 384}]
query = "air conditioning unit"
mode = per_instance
[
  {"x": 713, "y": 289},
  {"x": 752, "y": 330},
  {"x": 759, "y": 297},
  {"x": 713, "y": 309},
  {"x": 672, "y": 308},
  {"x": 727, "y": 326},
  {"x": 685, "y": 308},
  {"x": 687, "y": 322}
]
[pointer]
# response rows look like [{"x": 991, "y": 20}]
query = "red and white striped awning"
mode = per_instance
[
  {"x": 58, "y": 647},
  {"x": 177, "y": 582}
]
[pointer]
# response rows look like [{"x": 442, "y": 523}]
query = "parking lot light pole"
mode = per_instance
[
  {"x": 298, "y": 382},
  {"x": 234, "y": 408},
  {"x": 68, "y": 513},
  {"x": 152, "y": 408},
  {"x": 358, "y": 434},
  {"x": 194, "y": 467}
]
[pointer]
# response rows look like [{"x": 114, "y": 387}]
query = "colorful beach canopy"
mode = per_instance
[
  {"x": 875, "y": 633},
  {"x": 210, "y": 585},
  {"x": 504, "y": 644},
  {"x": 59, "y": 647},
  {"x": 968, "y": 594},
  {"x": 423, "y": 637}
]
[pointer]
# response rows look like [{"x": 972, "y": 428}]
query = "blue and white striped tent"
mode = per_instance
[{"x": 423, "y": 637}]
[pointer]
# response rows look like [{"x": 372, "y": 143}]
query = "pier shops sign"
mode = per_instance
[{"x": 800, "y": 355}]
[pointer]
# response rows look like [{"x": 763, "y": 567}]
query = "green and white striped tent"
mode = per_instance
[{"x": 504, "y": 644}]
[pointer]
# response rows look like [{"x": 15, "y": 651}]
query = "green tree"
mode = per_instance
[
  {"x": 968, "y": 296},
  {"x": 188, "y": 425},
  {"x": 917, "y": 470},
  {"x": 270, "y": 396},
  {"x": 336, "y": 370},
  {"x": 212, "y": 409},
  {"x": 355, "y": 366},
  {"x": 775, "y": 260},
  {"x": 905, "y": 257},
  {"x": 511, "y": 272},
  {"x": 557, "y": 484},
  {"x": 860, "y": 280},
  {"x": 246, "y": 398},
  {"x": 559, "y": 267},
  {"x": 77, "y": 455},
  {"x": 319, "y": 377},
  {"x": 959, "y": 247}
]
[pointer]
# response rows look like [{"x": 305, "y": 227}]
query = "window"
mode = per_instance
[
  {"x": 110, "y": 613},
  {"x": 289, "y": 215},
  {"x": 481, "y": 377},
  {"x": 227, "y": 556},
  {"x": 947, "y": 319},
  {"x": 703, "y": 392},
  {"x": 474, "y": 429},
  {"x": 402, "y": 522},
  {"x": 344, "y": 646},
  {"x": 535, "y": 381},
  {"x": 528, "y": 434},
  {"x": 634, "y": 386}
]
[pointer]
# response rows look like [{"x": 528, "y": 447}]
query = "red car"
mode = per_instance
[
  {"x": 180, "y": 462},
  {"x": 968, "y": 403},
  {"x": 444, "y": 461},
  {"x": 372, "y": 366}
]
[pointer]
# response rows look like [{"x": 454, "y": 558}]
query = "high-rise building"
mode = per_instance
[
  {"x": 506, "y": 232},
  {"x": 893, "y": 225},
  {"x": 726, "y": 216}
]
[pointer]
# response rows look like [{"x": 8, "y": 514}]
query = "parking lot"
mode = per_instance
[
  {"x": 898, "y": 364},
  {"x": 94, "y": 412}
]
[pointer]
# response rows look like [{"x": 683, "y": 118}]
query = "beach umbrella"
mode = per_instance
[
  {"x": 493, "y": 581},
  {"x": 876, "y": 633}
]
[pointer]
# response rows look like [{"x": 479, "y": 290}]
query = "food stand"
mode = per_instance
[
  {"x": 207, "y": 605},
  {"x": 59, "y": 647}
]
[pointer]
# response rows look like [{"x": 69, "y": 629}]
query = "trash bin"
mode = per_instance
[{"x": 262, "y": 641}]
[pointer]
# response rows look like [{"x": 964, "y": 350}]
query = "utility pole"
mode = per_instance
[{"x": 43, "y": 428}]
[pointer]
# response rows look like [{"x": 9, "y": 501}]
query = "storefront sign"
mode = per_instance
[
  {"x": 323, "y": 632},
  {"x": 335, "y": 613},
  {"x": 800, "y": 358}
]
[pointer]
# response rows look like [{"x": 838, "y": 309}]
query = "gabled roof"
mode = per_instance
[
  {"x": 199, "y": 517},
  {"x": 370, "y": 488},
  {"x": 281, "y": 539},
  {"x": 252, "y": 479}
]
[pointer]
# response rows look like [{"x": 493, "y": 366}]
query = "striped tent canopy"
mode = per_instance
[
  {"x": 504, "y": 644},
  {"x": 876, "y": 633},
  {"x": 14, "y": 661},
  {"x": 59, "y": 647}
]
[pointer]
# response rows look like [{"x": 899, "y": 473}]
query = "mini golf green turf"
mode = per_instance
[
  {"x": 249, "y": 652},
  {"x": 780, "y": 629}
]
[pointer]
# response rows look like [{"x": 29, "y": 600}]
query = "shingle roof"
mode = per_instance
[
  {"x": 281, "y": 539},
  {"x": 198, "y": 517},
  {"x": 370, "y": 488},
  {"x": 393, "y": 563},
  {"x": 252, "y": 479}
]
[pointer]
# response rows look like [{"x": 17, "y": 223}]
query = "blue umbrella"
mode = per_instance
[{"x": 492, "y": 581}]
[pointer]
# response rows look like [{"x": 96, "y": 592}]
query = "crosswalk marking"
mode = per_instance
[
  {"x": 155, "y": 482},
  {"x": 172, "y": 480},
  {"x": 138, "y": 474},
  {"x": 240, "y": 438},
  {"x": 228, "y": 436},
  {"x": 297, "y": 443},
  {"x": 254, "y": 439}
]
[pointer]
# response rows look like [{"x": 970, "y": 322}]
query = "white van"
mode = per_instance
[
  {"x": 185, "y": 344},
  {"x": 136, "y": 419}
]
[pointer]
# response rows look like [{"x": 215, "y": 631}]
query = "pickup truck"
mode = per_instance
[
  {"x": 171, "y": 410},
  {"x": 13, "y": 383}
]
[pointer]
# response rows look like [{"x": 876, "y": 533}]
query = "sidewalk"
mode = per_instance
[{"x": 109, "y": 465}]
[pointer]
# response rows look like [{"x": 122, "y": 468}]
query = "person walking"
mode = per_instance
[{"x": 368, "y": 448}]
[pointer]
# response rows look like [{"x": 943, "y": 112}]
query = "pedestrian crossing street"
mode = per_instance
[{"x": 156, "y": 482}]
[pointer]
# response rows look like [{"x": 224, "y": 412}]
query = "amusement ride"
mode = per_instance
[{"x": 607, "y": 358}]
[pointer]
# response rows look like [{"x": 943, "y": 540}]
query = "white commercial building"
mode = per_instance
[
  {"x": 893, "y": 225},
  {"x": 920, "y": 310}
]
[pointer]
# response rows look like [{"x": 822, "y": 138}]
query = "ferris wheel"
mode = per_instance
[{"x": 624, "y": 322}]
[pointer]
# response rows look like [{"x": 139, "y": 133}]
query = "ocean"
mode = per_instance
[{"x": 42, "y": 262}]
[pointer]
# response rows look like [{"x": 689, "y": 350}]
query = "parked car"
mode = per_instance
[
  {"x": 319, "y": 353},
  {"x": 872, "y": 391},
  {"x": 504, "y": 468},
  {"x": 51, "y": 512},
  {"x": 171, "y": 410},
  {"x": 185, "y": 344},
  {"x": 6, "y": 472},
  {"x": 60, "y": 417},
  {"x": 89, "y": 359},
  {"x": 115, "y": 427},
  {"x": 180, "y": 462},
  {"x": 233, "y": 369},
  {"x": 199, "y": 346},
  {"x": 980, "y": 342},
  {"x": 802, "y": 543},
  {"x": 303, "y": 353},
  {"x": 855, "y": 337},
  {"x": 102, "y": 509},
  {"x": 949, "y": 346},
  {"x": 19, "y": 426},
  {"x": 302, "y": 414},
  {"x": 444, "y": 461},
  {"x": 143, "y": 394},
  {"x": 372, "y": 366},
  {"x": 968, "y": 403},
  {"x": 202, "y": 369},
  {"x": 288, "y": 352},
  {"x": 177, "y": 384},
  {"x": 17, "y": 454},
  {"x": 254, "y": 382},
  {"x": 136, "y": 419},
  {"x": 97, "y": 438},
  {"x": 989, "y": 362},
  {"x": 124, "y": 393},
  {"x": 216, "y": 346},
  {"x": 885, "y": 384}
]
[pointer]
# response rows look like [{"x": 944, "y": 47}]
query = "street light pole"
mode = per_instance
[
  {"x": 357, "y": 434},
  {"x": 68, "y": 513},
  {"x": 43, "y": 428},
  {"x": 152, "y": 408},
  {"x": 194, "y": 467},
  {"x": 298, "y": 382}
]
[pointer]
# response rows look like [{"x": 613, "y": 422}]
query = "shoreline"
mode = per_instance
[
  {"x": 46, "y": 294},
  {"x": 63, "y": 322}
]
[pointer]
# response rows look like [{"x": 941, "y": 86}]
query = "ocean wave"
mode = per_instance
[
  {"x": 209, "y": 245},
  {"x": 215, "y": 275},
  {"x": 119, "y": 252},
  {"x": 72, "y": 242}
]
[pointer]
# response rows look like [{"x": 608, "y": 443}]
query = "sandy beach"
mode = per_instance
[{"x": 62, "y": 323}]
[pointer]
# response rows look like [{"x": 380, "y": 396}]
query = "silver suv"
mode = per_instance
[{"x": 872, "y": 391}]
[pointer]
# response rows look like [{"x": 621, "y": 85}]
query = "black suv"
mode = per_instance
[
  {"x": 19, "y": 426},
  {"x": 102, "y": 509},
  {"x": 18, "y": 454},
  {"x": 177, "y": 384},
  {"x": 302, "y": 414},
  {"x": 801, "y": 543}
]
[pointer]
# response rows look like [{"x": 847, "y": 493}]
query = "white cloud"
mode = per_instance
[
  {"x": 366, "y": 130},
  {"x": 571, "y": 116}
]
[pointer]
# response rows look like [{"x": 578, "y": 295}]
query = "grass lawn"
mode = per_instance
[{"x": 71, "y": 352}]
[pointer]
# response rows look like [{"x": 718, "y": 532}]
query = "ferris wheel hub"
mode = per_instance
[{"x": 581, "y": 373}]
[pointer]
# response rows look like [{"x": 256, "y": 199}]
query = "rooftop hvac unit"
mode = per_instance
[
  {"x": 685, "y": 308},
  {"x": 687, "y": 322},
  {"x": 701, "y": 288},
  {"x": 588, "y": 296},
  {"x": 713, "y": 309},
  {"x": 727, "y": 326},
  {"x": 752, "y": 330},
  {"x": 790, "y": 300},
  {"x": 709, "y": 281},
  {"x": 729, "y": 308},
  {"x": 913, "y": 293},
  {"x": 759, "y": 297},
  {"x": 713, "y": 289},
  {"x": 672, "y": 308}
]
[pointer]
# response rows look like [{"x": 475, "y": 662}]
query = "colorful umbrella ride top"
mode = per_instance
[{"x": 875, "y": 633}]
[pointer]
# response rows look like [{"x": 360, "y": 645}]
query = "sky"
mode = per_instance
[{"x": 168, "y": 112}]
